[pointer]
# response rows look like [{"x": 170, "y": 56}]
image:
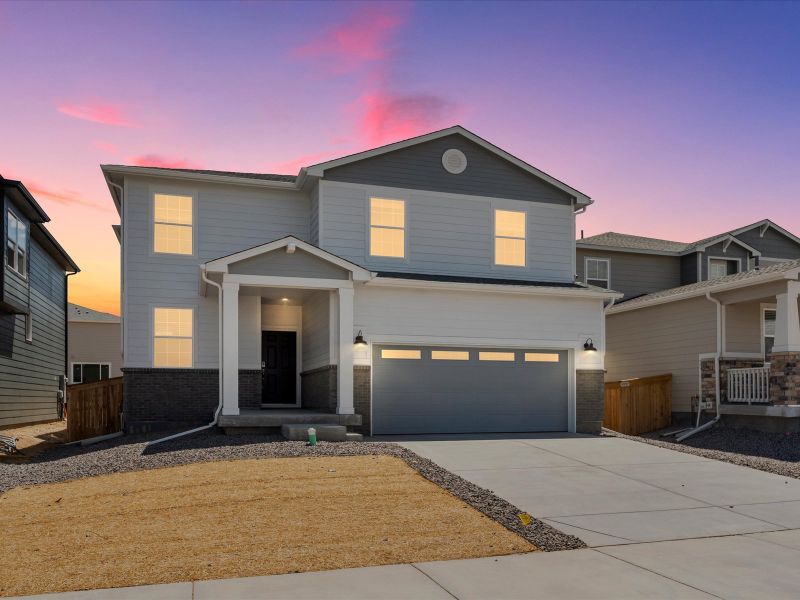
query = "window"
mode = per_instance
[
  {"x": 172, "y": 330},
  {"x": 402, "y": 354},
  {"x": 89, "y": 372},
  {"x": 597, "y": 272},
  {"x": 509, "y": 238},
  {"x": 449, "y": 355},
  {"x": 540, "y": 357},
  {"x": 28, "y": 328},
  {"x": 769, "y": 331},
  {"x": 720, "y": 267},
  {"x": 17, "y": 244},
  {"x": 499, "y": 356},
  {"x": 387, "y": 222},
  {"x": 172, "y": 224}
]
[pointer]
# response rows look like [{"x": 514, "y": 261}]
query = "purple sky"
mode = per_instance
[{"x": 681, "y": 120}]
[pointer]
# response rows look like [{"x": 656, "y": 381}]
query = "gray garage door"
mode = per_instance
[{"x": 422, "y": 389}]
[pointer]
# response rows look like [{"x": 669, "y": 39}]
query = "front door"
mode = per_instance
[{"x": 278, "y": 367}]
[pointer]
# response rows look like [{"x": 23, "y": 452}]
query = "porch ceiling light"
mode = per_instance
[
  {"x": 360, "y": 341},
  {"x": 588, "y": 345}
]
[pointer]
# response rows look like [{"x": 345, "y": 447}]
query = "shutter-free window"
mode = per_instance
[
  {"x": 172, "y": 224},
  {"x": 17, "y": 244},
  {"x": 387, "y": 223},
  {"x": 597, "y": 272},
  {"x": 172, "y": 333},
  {"x": 509, "y": 238}
]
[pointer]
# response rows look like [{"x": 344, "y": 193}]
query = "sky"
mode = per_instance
[{"x": 680, "y": 120}]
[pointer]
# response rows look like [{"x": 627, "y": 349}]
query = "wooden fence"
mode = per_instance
[
  {"x": 94, "y": 408},
  {"x": 634, "y": 406}
]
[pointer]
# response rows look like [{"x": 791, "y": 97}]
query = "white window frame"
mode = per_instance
[
  {"x": 153, "y": 308},
  {"x": 370, "y": 226},
  {"x": 728, "y": 258},
  {"x": 586, "y": 278},
  {"x": 764, "y": 309},
  {"x": 15, "y": 267},
  {"x": 87, "y": 362},
  {"x": 172, "y": 192},
  {"x": 524, "y": 239}
]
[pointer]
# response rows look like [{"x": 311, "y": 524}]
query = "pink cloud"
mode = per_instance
[
  {"x": 97, "y": 112},
  {"x": 364, "y": 38},
  {"x": 391, "y": 117},
  {"x": 156, "y": 160},
  {"x": 293, "y": 166},
  {"x": 65, "y": 197},
  {"x": 106, "y": 147}
]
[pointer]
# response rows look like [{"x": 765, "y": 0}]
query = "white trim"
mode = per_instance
[
  {"x": 368, "y": 256},
  {"x": 727, "y": 237},
  {"x": 524, "y": 238},
  {"x": 763, "y": 226},
  {"x": 700, "y": 266},
  {"x": 493, "y": 288},
  {"x": 729, "y": 259},
  {"x": 586, "y": 260},
  {"x": 26, "y": 250},
  {"x": 152, "y": 343},
  {"x": 87, "y": 362},
  {"x": 304, "y": 283},
  {"x": 319, "y": 169},
  {"x": 764, "y": 307},
  {"x": 151, "y": 235},
  {"x": 206, "y": 177},
  {"x": 220, "y": 265}
]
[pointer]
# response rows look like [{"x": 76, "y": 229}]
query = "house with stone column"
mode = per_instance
[
  {"x": 426, "y": 286},
  {"x": 733, "y": 339}
]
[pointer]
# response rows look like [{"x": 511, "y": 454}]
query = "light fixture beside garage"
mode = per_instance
[
  {"x": 360, "y": 342},
  {"x": 588, "y": 345}
]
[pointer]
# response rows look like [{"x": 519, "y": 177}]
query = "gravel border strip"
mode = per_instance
[
  {"x": 130, "y": 454},
  {"x": 731, "y": 438}
]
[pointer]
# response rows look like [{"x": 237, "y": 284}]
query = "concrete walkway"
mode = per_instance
[{"x": 660, "y": 524}]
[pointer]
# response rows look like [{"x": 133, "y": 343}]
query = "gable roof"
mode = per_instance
[
  {"x": 76, "y": 312},
  {"x": 785, "y": 270},
  {"x": 319, "y": 169},
  {"x": 624, "y": 242},
  {"x": 221, "y": 264}
]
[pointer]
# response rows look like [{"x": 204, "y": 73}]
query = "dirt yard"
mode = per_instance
[
  {"x": 32, "y": 440},
  {"x": 235, "y": 518}
]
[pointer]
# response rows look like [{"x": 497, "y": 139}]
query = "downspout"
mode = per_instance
[
  {"x": 717, "y": 356},
  {"x": 213, "y": 422}
]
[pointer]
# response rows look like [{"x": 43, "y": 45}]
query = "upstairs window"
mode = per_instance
[
  {"x": 509, "y": 238},
  {"x": 720, "y": 267},
  {"x": 387, "y": 227},
  {"x": 598, "y": 272},
  {"x": 770, "y": 316},
  {"x": 17, "y": 245},
  {"x": 172, "y": 224},
  {"x": 172, "y": 332}
]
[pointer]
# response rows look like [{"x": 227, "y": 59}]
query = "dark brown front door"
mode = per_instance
[{"x": 278, "y": 367}]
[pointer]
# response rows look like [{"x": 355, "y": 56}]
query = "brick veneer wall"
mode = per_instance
[
  {"x": 319, "y": 389},
  {"x": 249, "y": 389},
  {"x": 589, "y": 400},
  {"x": 362, "y": 385},
  {"x": 784, "y": 377},
  {"x": 707, "y": 376}
]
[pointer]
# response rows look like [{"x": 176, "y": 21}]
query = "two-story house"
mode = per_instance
[
  {"x": 720, "y": 314},
  {"x": 426, "y": 286},
  {"x": 33, "y": 311}
]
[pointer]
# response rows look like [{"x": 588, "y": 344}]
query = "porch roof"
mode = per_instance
[{"x": 788, "y": 270}]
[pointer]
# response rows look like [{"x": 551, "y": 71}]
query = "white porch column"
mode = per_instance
[
  {"x": 345, "y": 369},
  {"x": 787, "y": 320},
  {"x": 230, "y": 343}
]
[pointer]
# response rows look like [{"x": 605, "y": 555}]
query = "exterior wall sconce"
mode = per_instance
[
  {"x": 588, "y": 345},
  {"x": 360, "y": 342}
]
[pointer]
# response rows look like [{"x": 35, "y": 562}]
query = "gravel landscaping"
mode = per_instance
[
  {"x": 771, "y": 452},
  {"x": 130, "y": 454}
]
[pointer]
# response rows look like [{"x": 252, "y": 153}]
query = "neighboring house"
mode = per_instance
[
  {"x": 33, "y": 302},
  {"x": 636, "y": 265},
  {"x": 95, "y": 345},
  {"x": 425, "y": 286},
  {"x": 735, "y": 302}
]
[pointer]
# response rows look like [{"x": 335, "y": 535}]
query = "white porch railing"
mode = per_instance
[{"x": 748, "y": 385}]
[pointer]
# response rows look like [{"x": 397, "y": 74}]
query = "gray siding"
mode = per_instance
[
  {"x": 15, "y": 287},
  {"x": 281, "y": 263},
  {"x": 666, "y": 338},
  {"x": 29, "y": 371},
  {"x": 316, "y": 330},
  {"x": 313, "y": 234},
  {"x": 733, "y": 251},
  {"x": 228, "y": 219},
  {"x": 420, "y": 167},
  {"x": 635, "y": 274},
  {"x": 449, "y": 235},
  {"x": 95, "y": 343},
  {"x": 689, "y": 272},
  {"x": 773, "y": 245}
]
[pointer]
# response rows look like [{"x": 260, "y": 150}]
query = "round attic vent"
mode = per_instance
[{"x": 454, "y": 161}]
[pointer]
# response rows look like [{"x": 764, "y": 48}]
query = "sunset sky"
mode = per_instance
[{"x": 679, "y": 120}]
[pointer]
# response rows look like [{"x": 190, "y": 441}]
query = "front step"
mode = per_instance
[
  {"x": 325, "y": 433},
  {"x": 354, "y": 437}
]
